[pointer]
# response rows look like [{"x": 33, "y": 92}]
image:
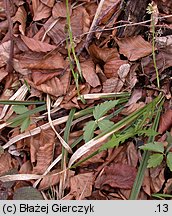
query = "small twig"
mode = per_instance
[{"x": 10, "y": 26}]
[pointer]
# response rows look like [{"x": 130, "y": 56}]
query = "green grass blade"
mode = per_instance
[
  {"x": 143, "y": 165},
  {"x": 15, "y": 102}
]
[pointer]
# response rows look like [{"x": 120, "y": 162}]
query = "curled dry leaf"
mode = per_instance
[
  {"x": 165, "y": 121},
  {"x": 89, "y": 73},
  {"x": 157, "y": 178},
  {"x": 40, "y": 10},
  {"x": 108, "y": 9},
  {"x": 45, "y": 151},
  {"x": 134, "y": 48},
  {"x": 21, "y": 17},
  {"x": 37, "y": 46},
  {"x": 117, "y": 175},
  {"x": 168, "y": 186},
  {"x": 81, "y": 185}
]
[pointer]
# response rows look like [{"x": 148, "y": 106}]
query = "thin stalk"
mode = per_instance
[{"x": 153, "y": 52}]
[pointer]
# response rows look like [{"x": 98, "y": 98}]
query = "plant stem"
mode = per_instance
[{"x": 153, "y": 52}]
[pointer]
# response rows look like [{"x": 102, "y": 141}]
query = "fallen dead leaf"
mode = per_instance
[
  {"x": 157, "y": 178},
  {"x": 89, "y": 73},
  {"x": 117, "y": 175},
  {"x": 134, "y": 48},
  {"x": 44, "y": 155},
  {"x": 37, "y": 46},
  {"x": 81, "y": 185},
  {"x": 40, "y": 10},
  {"x": 165, "y": 121}
]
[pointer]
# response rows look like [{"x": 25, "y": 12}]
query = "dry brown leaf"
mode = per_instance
[
  {"x": 52, "y": 87},
  {"x": 111, "y": 85},
  {"x": 3, "y": 74},
  {"x": 21, "y": 17},
  {"x": 40, "y": 10},
  {"x": 89, "y": 73},
  {"x": 108, "y": 9},
  {"x": 59, "y": 10},
  {"x": 6, "y": 163},
  {"x": 49, "y": 3},
  {"x": 80, "y": 23},
  {"x": 45, "y": 151},
  {"x": 49, "y": 180},
  {"x": 112, "y": 66},
  {"x": 157, "y": 178},
  {"x": 136, "y": 95},
  {"x": 165, "y": 121},
  {"x": 103, "y": 54},
  {"x": 134, "y": 48},
  {"x": 39, "y": 77},
  {"x": 37, "y": 46},
  {"x": 132, "y": 108},
  {"x": 168, "y": 186},
  {"x": 132, "y": 155},
  {"x": 81, "y": 185},
  {"x": 52, "y": 61},
  {"x": 117, "y": 175}
]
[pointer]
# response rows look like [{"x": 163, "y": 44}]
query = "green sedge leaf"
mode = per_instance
[
  {"x": 25, "y": 124},
  {"x": 17, "y": 122},
  {"x": 155, "y": 147},
  {"x": 89, "y": 130},
  {"x": 101, "y": 109},
  {"x": 155, "y": 160},
  {"x": 20, "y": 109},
  {"x": 169, "y": 160},
  {"x": 105, "y": 124}
]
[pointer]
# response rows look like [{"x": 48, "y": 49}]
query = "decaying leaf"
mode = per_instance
[
  {"x": 165, "y": 121},
  {"x": 134, "y": 48},
  {"x": 44, "y": 154},
  {"x": 89, "y": 73},
  {"x": 81, "y": 185},
  {"x": 37, "y": 46},
  {"x": 117, "y": 175}
]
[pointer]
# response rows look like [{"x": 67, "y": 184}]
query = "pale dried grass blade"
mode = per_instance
[
  {"x": 18, "y": 177},
  {"x": 19, "y": 95},
  {"x": 48, "y": 170},
  {"x": 65, "y": 145}
]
